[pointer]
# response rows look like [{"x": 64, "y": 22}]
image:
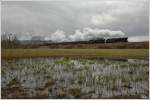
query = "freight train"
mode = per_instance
[
  {"x": 109, "y": 40},
  {"x": 98, "y": 40},
  {"x": 115, "y": 40}
]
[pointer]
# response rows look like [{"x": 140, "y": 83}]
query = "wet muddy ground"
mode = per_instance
[{"x": 74, "y": 78}]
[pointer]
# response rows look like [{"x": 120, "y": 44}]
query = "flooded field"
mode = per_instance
[{"x": 74, "y": 78}]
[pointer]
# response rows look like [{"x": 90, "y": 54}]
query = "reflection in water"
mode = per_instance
[
  {"x": 137, "y": 61},
  {"x": 74, "y": 78}
]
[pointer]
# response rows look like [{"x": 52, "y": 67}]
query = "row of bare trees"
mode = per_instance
[{"x": 9, "y": 41}]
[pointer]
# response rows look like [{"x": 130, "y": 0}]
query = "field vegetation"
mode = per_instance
[
  {"x": 74, "y": 78},
  {"x": 85, "y": 53}
]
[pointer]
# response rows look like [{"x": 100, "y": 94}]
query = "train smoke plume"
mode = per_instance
[
  {"x": 84, "y": 35},
  {"x": 79, "y": 35}
]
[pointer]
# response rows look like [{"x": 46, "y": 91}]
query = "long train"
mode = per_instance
[{"x": 99, "y": 40}]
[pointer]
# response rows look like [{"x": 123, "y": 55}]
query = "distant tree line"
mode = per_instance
[{"x": 9, "y": 41}]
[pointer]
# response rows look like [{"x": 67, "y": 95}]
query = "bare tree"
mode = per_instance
[{"x": 9, "y": 41}]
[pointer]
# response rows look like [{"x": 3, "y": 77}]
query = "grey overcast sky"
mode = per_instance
[{"x": 76, "y": 19}]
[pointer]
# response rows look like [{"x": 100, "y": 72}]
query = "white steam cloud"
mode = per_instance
[
  {"x": 58, "y": 36},
  {"x": 84, "y": 35}
]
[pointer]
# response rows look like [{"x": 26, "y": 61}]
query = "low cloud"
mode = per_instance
[{"x": 84, "y": 35}]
